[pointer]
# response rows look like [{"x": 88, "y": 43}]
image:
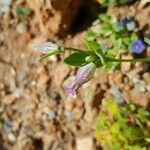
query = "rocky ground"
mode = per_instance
[{"x": 35, "y": 113}]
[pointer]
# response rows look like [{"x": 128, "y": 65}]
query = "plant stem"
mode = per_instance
[
  {"x": 101, "y": 58},
  {"x": 73, "y": 49},
  {"x": 128, "y": 60}
]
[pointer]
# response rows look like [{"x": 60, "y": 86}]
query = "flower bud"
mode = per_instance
[
  {"x": 46, "y": 47},
  {"x": 84, "y": 74}
]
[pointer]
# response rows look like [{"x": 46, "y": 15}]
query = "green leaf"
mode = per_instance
[
  {"x": 143, "y": 115},
  {"x": 126, "y": 40},
  {"x": 113, "y": 146},
  {"x": 134, "y": 37},
  {"x": 105, "y": 17},
  {"x": 92, "y": 46},
  {"x": 113, "y": 38},
  {"x": 103, "y": 121},
  {"x": 119, "y": 43},
  {"x": 112, "y": 107},
  {"x": 115, "y": 128},
  {"x": 105, "y": 31},
  {"x": 133, "y": 134},
  {"x": 90, "y": 36},
  {"x": 76, "y": 59}
]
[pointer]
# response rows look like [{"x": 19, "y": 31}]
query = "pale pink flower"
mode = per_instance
[{"x": 84, "y": 74}]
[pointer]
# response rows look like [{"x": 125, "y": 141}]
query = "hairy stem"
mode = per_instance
[
  {"x": 128, "y": 60},
  {"x": 73, "y": 49}
]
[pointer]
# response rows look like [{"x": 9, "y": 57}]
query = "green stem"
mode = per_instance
[
  {"x": 128, "y": 60},
  {"x": 73, "y": 49},
  {"x": 101, "y": 58}
]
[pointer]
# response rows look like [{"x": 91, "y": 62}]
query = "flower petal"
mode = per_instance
[
  {"x": 71, "y": 91},
  {"x": 138, "y": 46}
]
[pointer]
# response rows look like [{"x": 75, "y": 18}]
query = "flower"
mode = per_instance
[
  {"x": 138, "y": 46},
  {"x": 46, "y": 47},
  {"x": 84, "y": 74}
]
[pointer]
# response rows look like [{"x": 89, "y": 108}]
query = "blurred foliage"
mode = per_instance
[
  {"x": 113, "y": 37},
  {"x": 123, "y": 127},
  {"x": 22, "y": 12},
  {"x": 112, "y": 3}
]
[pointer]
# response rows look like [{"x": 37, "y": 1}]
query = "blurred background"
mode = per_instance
[{"x": 35, "y": 112}]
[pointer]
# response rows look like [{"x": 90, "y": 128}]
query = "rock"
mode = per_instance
[
  {"x": 141, "y": 99},
  {"x": 116, "y": 78},
  {"x": 69, "y": 115},
  {"x": 146, "y": 77},
  {"x": 116, "y": 91},
  {"x": 131, "y": 26},
  {"x": 139, "y": 17},
  {"x": 1, "y": 86},
  {"x": 148, "y": 88},
  {"x": 89, "y": 95},
  {"x": 48, "y": 141},
  {"x": 4, "y": 6},
  {"x": 8, "y": 99},
  {"x": 60, "y": 17},
  {"x": 8, "y": 126},
  {"x": 26, "y": 37},
  {"x": 22, "y": 76},
  {"x": 78, "y": 112},
  {"x": 69, "y": 105},
  {"x": 51, "y": 115},
  {"x": 7, "y": 76},
  {"x": 43, "y": 78},
  {"x": 53, "y": 95},
  {"x": 143, "y": 3},
  {"x": 18, "y": 92},
  {"x": 11, "y": 137},
  {"x": 21, "y": 28},
  {"x": 90, "y": 112},
  {"x": 59, "y": 74},
  {"x": 139, "y": 87},
  {"x": 46, "y": 110},
  {"x": 117, "y": 94},
  {"x": 79, "y": 103},
  {"x": 85, "y": 143},
  {"x": 16, "y": 124},
  {"x": 125, "y": 67},
  {"x": 34, "y": 60}
]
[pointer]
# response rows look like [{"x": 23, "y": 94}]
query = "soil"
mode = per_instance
[{"x": 35, "y": 112}]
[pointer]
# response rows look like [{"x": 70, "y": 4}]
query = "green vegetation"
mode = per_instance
[
  {"x": 123, "y": 127},
  {"x": 105, "y": 42},
  {"x": 22, "y": 12},
  {"x": 113, "y": 38},
  {"x": 112, "y": 3}
]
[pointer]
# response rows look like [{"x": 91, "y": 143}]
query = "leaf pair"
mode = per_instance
[{"x": 81, "y": 58}]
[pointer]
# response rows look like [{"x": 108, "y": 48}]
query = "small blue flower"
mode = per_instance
[{"x": 138, "y": 46}]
